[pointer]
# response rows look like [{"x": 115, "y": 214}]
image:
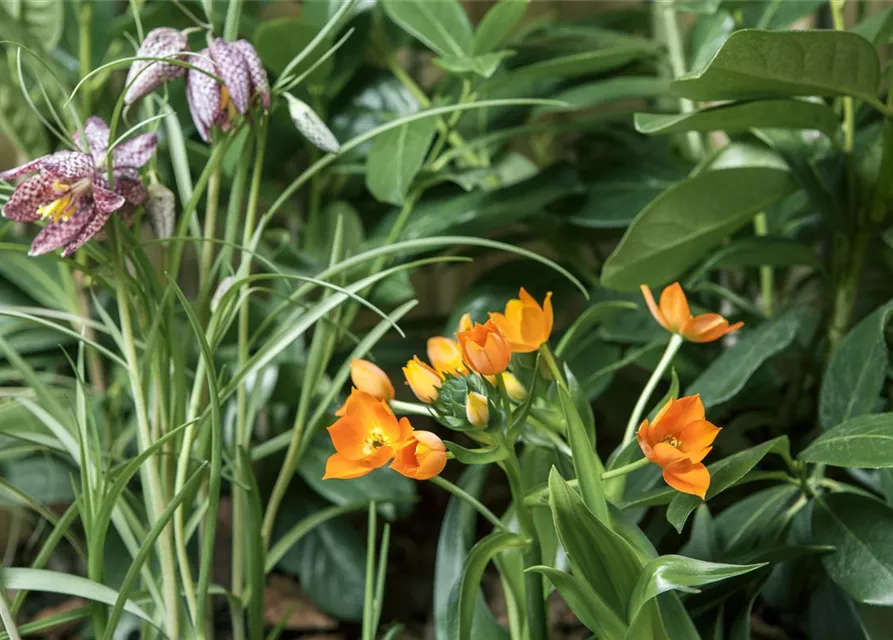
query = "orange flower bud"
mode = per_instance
[
  {"x": 513, "y": 387},
  {"x": 446, "y": 357},
  {"x": 465, "y": 322},
  {"x": 485, "y": 349},
  {"x": 674, "y": 315},
  {"x": 525, "y": 324},
  {"x": 678, "y": 441},
  {"x": 370, "y": 378},
  {"x": 422, "y": 456},
  {"x": 477, "y": 409},
  {"x": 365, "y": 437},
  {"x": 422, "y": 379}
]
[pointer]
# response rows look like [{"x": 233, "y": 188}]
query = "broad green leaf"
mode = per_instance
[
  {"x": 687, "y": 220},
  {"x": 724, "y": 474},
  {"x": 763, "y": 64},
  {"x": 588, "y": 319},
  {"x": 732, "y": 118},
  {"x": 484, "y": 65},
  {"x": 833, "y": 615},
  {"x": 496, "y": 25},
  {"x": 754, "y": 520},
  {"x": 278, "y": 41},
  {"x": 441, "y": 25},
  {"x": 465, "y": 592},
  {"x": 703, "y": 7},
  {"x": 43, "y": 20},
  {"x": 728, "y": 373},
  {"x": 597, "y": 554},
  {"x": 594, "y": 94},
  {"x": 708, "y": 35},
  {"x": 877, "y": 28},
  {"x": 770, "y": 14},
  {"x": 856, "y": 373},
  {"x": 17, "y": 120},
  {"x": 862, "y": 531},
  {"x": 484, "y": 455},
  {"x": 46, "y": 479},
  {"x": 585, "y": 603},
  {"x": 587, "y": 466},
  {"x": 864, "y": 441},
  {"x": 682, "y": 574},
  {"x": 457, "y": 533},
  {"x": 395, "y": 159},
  {"x": 67, "y": 584},
  {"x": 757, "y": 251}
]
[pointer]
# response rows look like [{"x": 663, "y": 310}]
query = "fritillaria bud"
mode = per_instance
[
  {"x": 311, "y": 126},
  {"x": 160, "y": 207},
  {"x": 145, "y": 76}
]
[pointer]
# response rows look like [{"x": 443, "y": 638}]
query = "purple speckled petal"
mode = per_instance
[
  {"x": 68, "y": 164},
  {"x": 203, "y": 95},
  {"x": 97, "y": 134},
  {"x": 28, "y": 196},
  {"x": 58, "y": 234},
  {"x": 260, "y": 83},
  {"x": 137, "y": 151},
  {"x": 93, "y": 226},
  {"x": 129, "y": 185},
  {"x": 29, "y": 167},
  {"x": 145, "y": 75},
  {"x": 107, "y": 201},
  {"x": 233, "y": 71}
]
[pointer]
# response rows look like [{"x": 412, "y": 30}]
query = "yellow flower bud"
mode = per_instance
[
  {"x": 446, "y": 357},
  {"x": 465, "y": 322},
  {"x": 477, "y": 409},
  {"x": 370, "y": 378},
  {"x": 423, "y": 380},
  {"x": 514, "y": 387}
]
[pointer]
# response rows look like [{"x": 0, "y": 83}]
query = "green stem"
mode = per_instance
[
  {"x": 9, "y": 623},
  {"x": 636, "y": 416},
  {"x": 210, "y": 230},
  {"x": 627, "y": 468},
  {"x": 552, "y": 364},
  {"x": 767, "y": 275},
  {"x": 85, "y": 50},
  {"x": 369, "y": 595},
  {"x": 694, "y": 147},
  {"x": 460, "y": 493},
  {"x": 411, "y": 408},
  {"x": 847, "y": 290}
]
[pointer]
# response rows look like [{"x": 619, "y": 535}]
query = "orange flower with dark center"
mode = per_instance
[
  {"x": 446, "y": 357},
  {"x": 674, "y": 315},
  {"x": 422, "y": 457},
  {"x": 485, "y": 349},
  {"x": 678, "y": 440},
  {"x": 365, "y": 437},
  {"x": 525, "y": 323}
]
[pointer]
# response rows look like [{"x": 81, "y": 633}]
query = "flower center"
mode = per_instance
[
  {"x": 375, "y": 440},
  {"x": 673, "y": 441},
  {"x": 227, "y": 106},
  {"x": 63, "y": 208}
]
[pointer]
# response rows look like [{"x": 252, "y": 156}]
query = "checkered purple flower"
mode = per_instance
[
  {"x": 145, "y": 76},
  {"x": 70, "y": 189}
]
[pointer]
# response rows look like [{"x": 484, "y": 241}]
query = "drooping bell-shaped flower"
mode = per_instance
[
  {"x": 145, "y": 76},
  {"x": 239, "y": 68},
  {"x": 71, "y": 189}
]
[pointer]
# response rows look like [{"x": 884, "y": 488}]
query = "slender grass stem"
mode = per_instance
[
  {"x": 639, "y": 410},
  {"x": 767, "y": 274},
  {"x": 627, "y": 468},
  {"x": 210, "y": 229},
  {"x": 369, "y": 592},
  {"x": 9, "y": 624},
  {"x": 460, "y": 493},
  {"x": 694, "y": 147},
  {"x": 85, "y": 49}
]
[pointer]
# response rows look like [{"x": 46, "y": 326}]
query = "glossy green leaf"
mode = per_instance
[
  {"x": 42, "y": 20},
  {"x": 744, "y": 116},
  {"x": 758, "y": 251},
  {"x": 877, "y": 28},
  {"x": 708, "y": 35},
  {"x": 864, "y": 441},
  {"x": 497, "y": 24},
  {"x": 728, "y": 373},
  {"x": 724, "y": 474},
  {"x": 441, "y": 25},
  {"x": 757, "y": 519},
  {"x": 762, "y": 64},
  {"x": 855, "y": 376},
  {"x": 280, "y": 40},
  {"x": 687, "y": 220},
  {"x": 484, "y": 65},
  {"x": 681, "y": 574},
  {"x": 862, "y": 531},
  {"x": 577, "y": 64},
  {"x": 395, "y": 159},
  {"x": 600, "y": 92},
  {"x": 484, "y": 455},
  {"x": 587, "y": 465},
  {"x": 586, "y": 604},
  {"x": 833, "y": 615}
]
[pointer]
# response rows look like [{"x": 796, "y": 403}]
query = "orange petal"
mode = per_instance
[
  {"x": 688, "y": 478},
  {"x": 675, "y": 415},
  {"x": 548, "y": 317},
  {"x": 718, "y": 332},
  {"x": 505, "y": 325},
  {"x": 675, "y": 307},
  {"x": 667, "y": 455},
  {"x": 337, "y": 466},
  {"x": 653, "y": 308},
  {"x": 430, "y": 440},
  {"x": 370, "y": 378},
  {"x": 644, "y": 437},
  {"x": 405, "y": 431},
  {"x": 431, "y": 465},
  {"x": 349, "y": 436},
  {"x": 697, "y": 436}
]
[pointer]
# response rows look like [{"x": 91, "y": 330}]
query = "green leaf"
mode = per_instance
[
  {"x": 728, "y": 373},
  {"x": 687, "y": 220},
  {"x": 484, "y": 65},
  {"x": 757, "y": 251},
  {"x": 864, "y": 442},
  {"x": 594, "y": 94},
  {"x": 19, "y": 122},
  {"x": 877, "y": 28},
  {"x": 757, "y": 519},
  {"x": 497, "y": 24},
  {"x": 43, "y": 20},
  {"x": 442, "y": 25},
  {"x": 862, "y": 531},
  {"x": 280, "y": 40},
  {"x": 742, "y": 117},
  {"x": 724, "y": 474},
  {"x": 64, "y": 583},
  {"x": 395, "y": 159},
  {"x": 682, "y": 574},
  {"x": 597, "y": 554},
  {"x": 762, "y": 64},
  {"x": 587, "y": 466},
  {"x": 855, "y": 376},
  {"x": 588, "y": 319},
  {"x": 585, "y": 603},
  {"x": 484, "y": 455},
  {"x": 465, "y": 592}
]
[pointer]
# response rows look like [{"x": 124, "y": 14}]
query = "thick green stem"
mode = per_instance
[
  {"x": 210, "y": 229},
  {"x": 846, "y": 292},
  {"x": 625, "y": 469},
  {"x": 767, "y": 275},
  {"x": 636, "y": 416},
  {"x": 85, "y": 50},
  {"x": 369, "y": 593},
  {"x": 672, "y": 35}
]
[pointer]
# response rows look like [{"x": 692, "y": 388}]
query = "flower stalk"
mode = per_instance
[{"x": 638, "y": 411}]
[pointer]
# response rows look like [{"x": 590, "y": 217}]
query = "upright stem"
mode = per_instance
[
  {"x": 694, "y": 147},
  {"x": 210, "y": 230},
  {"x": 460, "y": 493},
  {"x": 85, "y": 50},
  {"x": 636, "y": 416},
  {"x": 369, "y": 594},
  {"x": 767, "y": 275}
]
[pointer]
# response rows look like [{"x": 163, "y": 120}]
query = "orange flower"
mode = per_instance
[
  {"x": 423, "y": 380},
  {"x": 422, "y": 457},
  {"x": 477, "y": 409},
  {"x": 365, "y": 437},
  {"x": 369, "y": 378},
  {"x": 465, "y": 322},
  {"x": 446, "y": 357},
  {"x": 674, "y": 315},
  {"x": 525, "y": 324},
  {"x": 678, "y": 441},
  {"x": 485, "y": 349}
]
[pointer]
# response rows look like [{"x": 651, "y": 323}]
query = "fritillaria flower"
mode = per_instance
[
  {"x": 243, "y": 77},
  {"x": 71, "y": 191},
  {"x": 525, "y": 323},
  {"x": 145, "y": 76},
  {"x": 674, "y": 315}
]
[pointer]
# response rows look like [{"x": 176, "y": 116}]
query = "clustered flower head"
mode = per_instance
[
  {"x": 674, "y": 315},
  {"x": 70, "y": 189}
]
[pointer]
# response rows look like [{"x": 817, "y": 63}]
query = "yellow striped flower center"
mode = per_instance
[
  {"x": 63, "y": 208},
  {"x": 673, "y": 441},
  {"x": 375, "y": 440}
]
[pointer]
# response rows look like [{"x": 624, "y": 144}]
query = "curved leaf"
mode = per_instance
[
  {"x": 863, "y": 442},
  {"x": 585, "y": 602},
  {"x": 441, "y": 26}
]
